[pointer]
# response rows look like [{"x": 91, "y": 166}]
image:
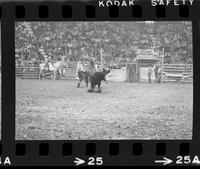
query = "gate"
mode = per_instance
[
  {"x": 138, "y": 72},
  {"x": 132, "y": 72}
]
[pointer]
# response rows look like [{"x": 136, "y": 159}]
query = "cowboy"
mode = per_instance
[
  {"x": 159, "y": 72},
  {"x": 81, "y": 67},
  {"x": 156, "y": 71},
  {"x": 86, "y": 69},
  {"x": 46, "y": 61},
  {"x": 98, "y": 66},
  {"x": 81, "y": 71}
]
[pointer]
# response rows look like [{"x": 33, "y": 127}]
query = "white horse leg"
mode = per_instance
[
  {"x": 54, "y": 75},
  {"x": 63, "y": 72},
  {"x": 39, "y": 76},
  {"x": 40, "y": 72},
  {"x": 60, "y": 72}
]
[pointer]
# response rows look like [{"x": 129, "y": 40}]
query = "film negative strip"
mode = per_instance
[{"x": 100, "y": 83}]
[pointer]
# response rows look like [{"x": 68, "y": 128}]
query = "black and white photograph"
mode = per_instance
[
  {"x": 0, "y": 81},
  {"x": 104, "y": 80}
]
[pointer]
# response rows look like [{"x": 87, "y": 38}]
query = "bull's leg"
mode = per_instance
[
  {"x": 80, "y": 78},
  {"x": 79, "y": 83},
  {"x": 91, "y": 89},
  {"x": 89, "y": 85},
  {"x": 99, "y": 88},
  {"x": 86, "y": 80}
]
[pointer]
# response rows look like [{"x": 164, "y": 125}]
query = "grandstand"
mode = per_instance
[
  {"x": 116, "y": 39},
  {"x": 120, "y": 41}
]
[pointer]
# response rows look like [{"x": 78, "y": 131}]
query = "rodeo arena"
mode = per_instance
[{"x": 103, "y": 80}]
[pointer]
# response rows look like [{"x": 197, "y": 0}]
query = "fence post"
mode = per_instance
[{"x": 162, "y": 62}]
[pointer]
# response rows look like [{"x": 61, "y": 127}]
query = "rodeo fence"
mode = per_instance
[
  {"x": 27, "y": 72},
  {"x": 171, "y": 72},
  {"x": 32, "y": 72},
  {"x": 178, "y": 72}
]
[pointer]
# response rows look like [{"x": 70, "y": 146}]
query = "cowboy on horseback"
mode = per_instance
[
  {"x": 46, "y": 68},
  {"x": 47, "y": 63}
]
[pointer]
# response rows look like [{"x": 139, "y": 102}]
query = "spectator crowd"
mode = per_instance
[{"x": 117, "y": 42}]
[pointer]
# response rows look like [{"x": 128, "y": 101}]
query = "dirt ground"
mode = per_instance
[{"x": 58, "y": 110}]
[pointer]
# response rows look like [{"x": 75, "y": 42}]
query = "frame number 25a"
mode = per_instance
[{"x": 188, "y": 160}]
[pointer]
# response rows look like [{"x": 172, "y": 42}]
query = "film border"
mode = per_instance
[{"x": 54, "y": 153}]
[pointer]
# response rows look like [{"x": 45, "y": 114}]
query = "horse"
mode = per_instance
[
  {"x": 60, "y": 68},
  {"x": 45, "y": 69},
  {"x": 53, "y": 69}
]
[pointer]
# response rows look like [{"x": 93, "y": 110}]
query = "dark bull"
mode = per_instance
[{"x": 96, "y": 78}]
